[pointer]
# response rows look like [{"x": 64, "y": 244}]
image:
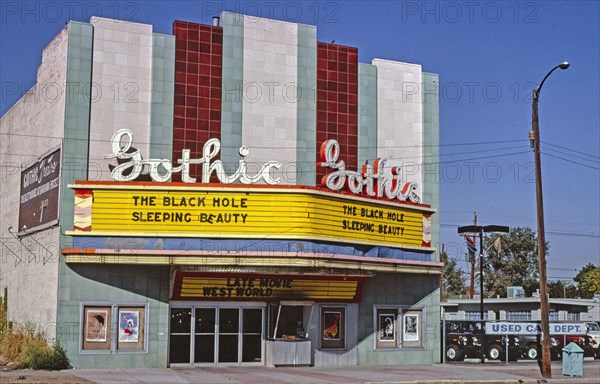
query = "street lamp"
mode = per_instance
[
  {"x": 534, "y": 136},
  {"x": 480, "y": 229}
]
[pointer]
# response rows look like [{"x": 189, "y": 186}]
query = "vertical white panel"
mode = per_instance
[
  {"x": 400, "y": 117},
  {"x": 122, "y": 86},
  {"x": 269, "y": 107}
]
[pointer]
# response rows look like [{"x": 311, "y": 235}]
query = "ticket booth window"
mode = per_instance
[{"x": 289, "y": 320}]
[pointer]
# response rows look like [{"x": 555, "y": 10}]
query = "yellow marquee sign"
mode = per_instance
[
  {"x": 249, "y": 212},
  {"x": 190, "y": 285}
]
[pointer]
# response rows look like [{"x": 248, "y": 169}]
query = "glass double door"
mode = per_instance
[{"x": 212, "y": 335}]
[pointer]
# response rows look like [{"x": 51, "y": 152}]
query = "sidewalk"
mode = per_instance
[{"x": 466, "y": 373}]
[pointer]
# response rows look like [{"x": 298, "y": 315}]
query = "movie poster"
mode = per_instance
[{"x": 129, "y": 325}]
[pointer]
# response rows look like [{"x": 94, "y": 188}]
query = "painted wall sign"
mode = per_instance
[
  {"x": 194, "y": 285},
  {"x": 247, "y": 212},
  {"x": 38, "y": 206},
  {"x": 508, "y": 328},
  {"x": 375, "y": 181}
]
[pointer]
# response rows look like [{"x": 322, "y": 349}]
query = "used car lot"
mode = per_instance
[{"x": 464, "y": 339}]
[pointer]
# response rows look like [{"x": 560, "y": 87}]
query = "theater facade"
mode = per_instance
[{"x": 231, "y": 194}]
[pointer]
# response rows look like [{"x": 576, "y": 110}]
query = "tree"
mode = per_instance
[
  {"x": 590, "y": 283},
  {"x": 562, "y": 289},
  {"x": 583, "y": 271},
  {"x": 515, "y": 264},
  {"x": 579, "y": 278},
  {"x": 454, "y": 283}
]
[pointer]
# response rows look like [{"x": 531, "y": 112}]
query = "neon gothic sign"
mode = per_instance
[{"x": 373, "y": 181}]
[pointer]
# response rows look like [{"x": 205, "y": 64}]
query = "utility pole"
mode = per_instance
[
  {"x": 443, "y": 260},
  {"x": 474, "y": 238}
]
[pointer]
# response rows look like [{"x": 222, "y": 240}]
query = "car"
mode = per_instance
[
  {"x": 462, "y": 339},
  {"x": 585, "y": 342},
  {"x": 528, "y": 346},
  {"x": 593, "y": 331}
]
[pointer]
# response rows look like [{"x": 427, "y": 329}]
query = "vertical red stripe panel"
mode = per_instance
[
  {"x": 198, "y": 77},
  {"x": 337, "y": 101}
]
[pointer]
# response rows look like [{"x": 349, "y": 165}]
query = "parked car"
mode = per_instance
[
  {"x": 589, "y": 345},
  {"x": 528, "y": 346},
  {"x": 462, "y": 339},
  {"x": 593, "y": 331}
]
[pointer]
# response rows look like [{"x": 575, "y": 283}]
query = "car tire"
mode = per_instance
[
  {"x": 494, "y": 352},
  {"x": 453, "y": 353},
  {"x": 531, "y": 352}
]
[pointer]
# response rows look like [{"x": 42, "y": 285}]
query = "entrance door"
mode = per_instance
[
  {"x": 180, "y": 343},
  {"x": 252, "y": 335},
  {"x": 229, "y": 329},
  {"x": 204, "y": 341},
  {"x": 215, "y": 335}
]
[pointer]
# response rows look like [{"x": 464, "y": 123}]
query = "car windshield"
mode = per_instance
[{"x": 593, "y": 327}]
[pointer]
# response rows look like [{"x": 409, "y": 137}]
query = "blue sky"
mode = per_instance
[{"x": 489, "y": 55}]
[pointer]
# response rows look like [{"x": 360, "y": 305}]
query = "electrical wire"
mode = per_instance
[
  {"x": 570, "y": 161},
  {"x": 572, "y": 150},
  {"x": 568, "y": 154}
]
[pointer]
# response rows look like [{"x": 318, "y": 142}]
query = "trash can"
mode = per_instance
[{"x": 572, "y": 360}]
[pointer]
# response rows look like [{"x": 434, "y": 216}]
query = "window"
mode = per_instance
[
  {"x": 398, "y": 327},
  {"x": 387, "y": 328},
  {"x": 475, "y": 315},
  {"x": 113, "y": 328},
  {"x": 553, "y": 316},
  {"x": 518, "y": 315},
  {"x": 97, "y": 328},
  {"x": 288, "y": 320},
  {"x": 572, "y": 316},
  {"x": 412, "y": 328},
  {"x": 333, "y": 327}
]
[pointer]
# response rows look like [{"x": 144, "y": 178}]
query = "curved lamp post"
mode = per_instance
[{"x": 534, "y": 135}]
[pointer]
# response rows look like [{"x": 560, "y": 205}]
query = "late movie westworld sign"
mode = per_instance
[{"x": 375, "y": 181}]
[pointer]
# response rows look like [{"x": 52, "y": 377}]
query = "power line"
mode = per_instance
[
  {"x": 570, "y": 161},
  {"x": 572, "y": 150},
  {"x": 568, "y": 154}
]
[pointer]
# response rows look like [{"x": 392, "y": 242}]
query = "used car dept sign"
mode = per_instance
[{"x": 508, "y": 328}]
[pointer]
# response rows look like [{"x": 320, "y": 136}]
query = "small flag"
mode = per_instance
[
  {"x": 471, "y": 248},
  {"x": 498, "y": 246}
]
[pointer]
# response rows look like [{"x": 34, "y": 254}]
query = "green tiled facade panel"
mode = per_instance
[
  {"x": 75, "y": 159},
  {"x": 367, "y": 112},
  {"x": 163, "y": 88},
  {"x": 77, "y": 116},
  {"x": 389, "y": 289},
  {"x": 232, "y": 89},
  {"x": 431, "y": 153},
  {"x": 100, "y": 283},
  {"x": 306, "y": 112}
]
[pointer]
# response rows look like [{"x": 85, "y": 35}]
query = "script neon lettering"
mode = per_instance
[
  {"x": 372, "y": 181},
  {"x": 161, "y": 170}
]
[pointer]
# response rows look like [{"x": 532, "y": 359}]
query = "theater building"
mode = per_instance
[{"x": 231, "y": 194}]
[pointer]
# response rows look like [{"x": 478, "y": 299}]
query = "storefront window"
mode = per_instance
[
  {"x": 127, "y": 321},
  {"x": 289, "y": 320},
  {"x": 333, "y": 327},
  {"x": 412, "y": 328},
  {"x": 96, "y": 329},
  {"x": 398, "y": 327},
  {"x": 387, "y": 327}
]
